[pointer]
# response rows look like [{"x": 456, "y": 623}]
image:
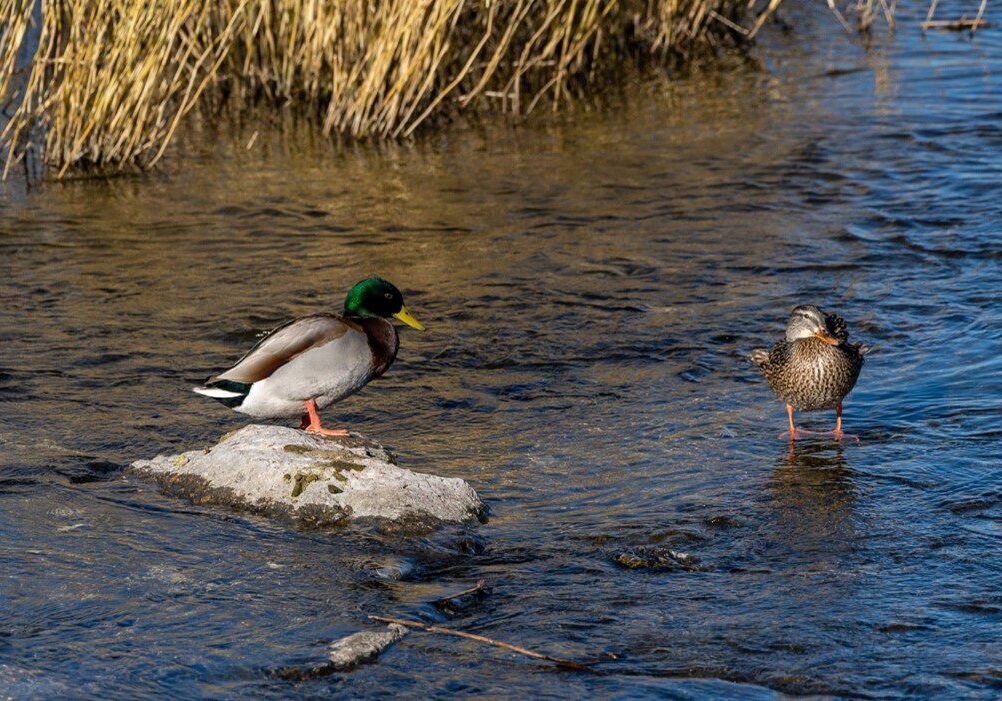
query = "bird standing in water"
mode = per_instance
[
  {"x": 314, "y": 361},
  {"x": 814, "y": 367}
]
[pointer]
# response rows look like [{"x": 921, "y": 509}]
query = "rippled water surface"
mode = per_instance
[{"x": 591, "y": 290}]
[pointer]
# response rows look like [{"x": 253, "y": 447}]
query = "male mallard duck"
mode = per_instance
[
  {"x": 814, "y": 367},
  {"x": 311, "y": 362}
]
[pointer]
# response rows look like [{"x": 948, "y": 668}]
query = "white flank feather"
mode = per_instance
[{"x": 216, "y": 393}]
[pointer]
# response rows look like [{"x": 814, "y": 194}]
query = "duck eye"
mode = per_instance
[{"x": 388, "y": 295}]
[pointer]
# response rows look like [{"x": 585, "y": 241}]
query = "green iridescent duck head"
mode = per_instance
[{"x": 376, "y": 297}]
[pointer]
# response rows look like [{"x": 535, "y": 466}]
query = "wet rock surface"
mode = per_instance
[
  {"x": 656, "y": 557},
  {"x": 362, "y": 647},
  {"x": 313, "y": 480},
  {"x": 347, "y": 653}
]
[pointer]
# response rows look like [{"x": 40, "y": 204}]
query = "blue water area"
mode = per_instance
[{"x": 592, "y": 286}]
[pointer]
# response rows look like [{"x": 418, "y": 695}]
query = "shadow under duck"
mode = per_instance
[
  {"x": 814, "y": 367},
  {"x": 314, "y": 361}
]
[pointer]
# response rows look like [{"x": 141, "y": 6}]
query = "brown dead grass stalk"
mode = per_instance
[{"x": 107, "y": 82}]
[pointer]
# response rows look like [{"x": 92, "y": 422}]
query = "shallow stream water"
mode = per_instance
[{"x": 591, "y": 290}]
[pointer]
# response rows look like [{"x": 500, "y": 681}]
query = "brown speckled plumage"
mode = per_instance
[{"x": 809, "y": 374}]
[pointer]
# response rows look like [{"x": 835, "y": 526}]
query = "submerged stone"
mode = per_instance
[
  {"x": 315, "y": 480},
  {"x": 362, "y": 647},
  {"x": 348, "y": 653},
  {"x": 656, "y": 557}
]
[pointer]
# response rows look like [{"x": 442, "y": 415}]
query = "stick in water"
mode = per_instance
[
  {"x": 478, "y": 588},
  {"x": 480, "y": 638}
]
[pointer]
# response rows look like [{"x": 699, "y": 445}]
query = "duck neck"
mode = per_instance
[
  {"x": 810, "y": 348},
  {"x": 383, "y": 341}
]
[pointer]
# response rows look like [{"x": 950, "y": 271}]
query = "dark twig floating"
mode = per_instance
[
  {"x": 567, "y": 664},
  {"x": 452, "y": 603},
  {"x": 475, "y": 589},
  {"x": 957, "y": 25}
]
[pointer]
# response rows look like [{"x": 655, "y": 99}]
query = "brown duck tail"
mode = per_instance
[
  {"x": 759, "y": 356},
  {"x": 836, "y": 325}
]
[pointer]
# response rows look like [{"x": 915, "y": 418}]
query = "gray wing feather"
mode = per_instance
[{"x": 282, "y": 344}]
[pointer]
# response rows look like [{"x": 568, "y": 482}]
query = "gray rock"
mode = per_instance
[
  {"x": 315, "y": 480},
  {"x": 362, "y": 647}
]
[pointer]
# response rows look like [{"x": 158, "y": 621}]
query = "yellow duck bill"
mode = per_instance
[{"x": 405, "y": 316}]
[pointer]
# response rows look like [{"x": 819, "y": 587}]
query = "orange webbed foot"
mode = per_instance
[
  {"x": 800, "y": 433},
  {"x": 311, "y": 422},
  {"x": 804, "y": 433},
  {"x": 326, "y": 431}
]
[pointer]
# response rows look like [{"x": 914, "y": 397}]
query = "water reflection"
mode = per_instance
[{"x": 814, "y": 492}]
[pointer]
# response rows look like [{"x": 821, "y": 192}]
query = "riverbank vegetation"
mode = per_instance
[{"x": 103, "y": 86}]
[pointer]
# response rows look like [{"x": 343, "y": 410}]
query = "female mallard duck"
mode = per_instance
[
  {"x": 815, "y": 367},
  {"x": 311, "y": 362}
]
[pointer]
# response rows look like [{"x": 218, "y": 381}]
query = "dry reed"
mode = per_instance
[{"x": 106, "y": 82}]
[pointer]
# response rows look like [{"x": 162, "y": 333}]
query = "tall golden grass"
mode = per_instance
[{"x": 107, "y": 82}]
